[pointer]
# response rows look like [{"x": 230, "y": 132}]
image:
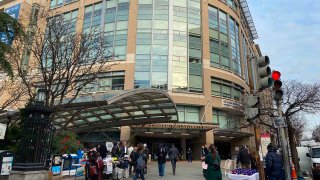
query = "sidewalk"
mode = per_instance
[{"x": 184, "y": 171}]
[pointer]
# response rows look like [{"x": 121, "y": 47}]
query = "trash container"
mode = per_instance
[{"x": 6, "y": 161}]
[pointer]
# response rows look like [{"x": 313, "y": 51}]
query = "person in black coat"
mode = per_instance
[
  {"x": 244, "y": 158},
  {"x": 189, "y": 155},
  {"x": 161, "y": 153},
  {"x": 103, "y": 150},
  {"x": 274, "y": 164}
]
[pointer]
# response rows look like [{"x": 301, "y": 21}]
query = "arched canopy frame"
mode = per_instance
[{"x": 95, "y": 112}]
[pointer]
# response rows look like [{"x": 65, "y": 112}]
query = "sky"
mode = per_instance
[{"x": 289, "y": 33}]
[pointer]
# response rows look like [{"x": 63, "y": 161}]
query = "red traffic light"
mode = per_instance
[{"x": 275, "y": 75}]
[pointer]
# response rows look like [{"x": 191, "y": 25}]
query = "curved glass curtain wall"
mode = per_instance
[
  {"x": 224, "y": 41},
  {"x": 151, "y": 65},
  {"x": 154, "y": 50},
  {"x": 111, "y": 19}
]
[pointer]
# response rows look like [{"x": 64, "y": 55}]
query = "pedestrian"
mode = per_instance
[
  {"x": 146, "y": 153},
  {"x": 123, "y": 148},
  {"x": 274, "y": 164},
  {"x": 132, "y": 161},
  {"x": 103, "y": 150},
  {"x": 115, "y": 149},
  {"x": 189, "y": 155},
  {"x": 204, "y": 151},
  {"x": 161, "y": 153},
  {"x": 93, "y": 170},
  {"x": 173, "y": 156},
  {"x": 213, "y": 160},
  {"x": 130, "y": 149},
  {"x": 244, "y": 158},
  {"x": 140, "y": 162}
]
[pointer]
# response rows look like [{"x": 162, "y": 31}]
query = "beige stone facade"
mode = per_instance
[{"x": 205, "y": 101}]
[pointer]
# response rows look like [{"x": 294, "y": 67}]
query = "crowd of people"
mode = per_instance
[
  {"x": 120, "y": 151},
  {"x": 138, "y": 156}
]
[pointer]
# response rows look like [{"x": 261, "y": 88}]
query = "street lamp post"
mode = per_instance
[{"x": 37, "y": 135}]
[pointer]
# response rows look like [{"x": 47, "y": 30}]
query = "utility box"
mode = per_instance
[
  {"x": 6, "y": 162},
  {"x": 68, "y": 161}
]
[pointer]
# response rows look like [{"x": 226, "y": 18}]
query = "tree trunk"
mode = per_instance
[{"x": 293, "y": 148}]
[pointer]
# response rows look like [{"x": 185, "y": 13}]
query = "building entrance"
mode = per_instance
[
  {"x": 154, "y": 143},
  {"x": 224, "y": 149}
]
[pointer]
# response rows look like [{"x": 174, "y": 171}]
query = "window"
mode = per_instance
[
  {"x": 189, "y": 114},
  {"x": 244, "y": 58},
  {"x": 220, "y": 117},
  {"x": 105, "y": 82},
  {"x": 226, "y": 89},
  {"x": 58, "y": 3}
]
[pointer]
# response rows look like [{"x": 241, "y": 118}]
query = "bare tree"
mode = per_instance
[
  {"x": 316, "y": 134},
  {"x": 63, "y": 60},
  {"x": 298, "y": 98},
  {"x": 12, "y": 94}
]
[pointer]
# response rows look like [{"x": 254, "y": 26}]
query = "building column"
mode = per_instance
[
  {"x": 184, "y": 147},
  {"x": 205, "y": 138},
  {"x": 125, "y": 134}
]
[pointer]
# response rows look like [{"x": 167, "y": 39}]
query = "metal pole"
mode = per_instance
[
  {"x": 284, "y": 145},
  {"x": 258, "y": 145}
]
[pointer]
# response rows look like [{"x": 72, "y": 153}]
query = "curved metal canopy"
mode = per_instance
[{"x": 122, "y": 108}]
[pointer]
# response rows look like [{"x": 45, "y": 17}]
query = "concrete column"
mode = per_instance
[
  {"x": 125, "y": 133},
  {"x": 184, "y": 147},
  {"x": 209, "y": 138},
  {"x": 204, "y": 139}
]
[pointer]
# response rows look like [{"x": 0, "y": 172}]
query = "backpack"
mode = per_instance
[{"x": 141, "y": 163}]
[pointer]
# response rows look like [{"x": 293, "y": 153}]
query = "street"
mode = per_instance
[{"x": 184, "y": 171}]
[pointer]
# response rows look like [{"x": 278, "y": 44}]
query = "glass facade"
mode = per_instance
[
  {"x": 244, "y": 58},
  {"x": 111, "y": 19},
  {"x": 224, "y": 41},
  {"x": 152, "y": 46},
  {"x": 151, "y": 65}
]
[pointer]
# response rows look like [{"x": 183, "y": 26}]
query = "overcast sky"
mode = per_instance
[{"x": 289, "y": 33}]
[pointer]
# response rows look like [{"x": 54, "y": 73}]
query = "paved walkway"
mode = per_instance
[{"x": 184, "y": 171}]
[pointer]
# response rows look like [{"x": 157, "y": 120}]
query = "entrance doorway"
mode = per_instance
[
  {"x": 224, "y": 149},
  {"x": 154, "y": 143}
]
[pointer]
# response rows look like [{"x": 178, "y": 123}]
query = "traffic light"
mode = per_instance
[
  {"x": 264, "y": 72},
  {"x": 277, "y": 91},
  {"x": 251, "y": 109}
]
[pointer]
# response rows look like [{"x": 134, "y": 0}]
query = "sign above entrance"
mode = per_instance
[
  {"x": 227, "y": 103},
  {"x": 206, "y": 127}
]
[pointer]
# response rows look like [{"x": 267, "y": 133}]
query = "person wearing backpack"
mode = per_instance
[
  {"x": 140, "y": 164},
  {"x": 274, "y": 164},
  {"x": 213, "y": 160}
]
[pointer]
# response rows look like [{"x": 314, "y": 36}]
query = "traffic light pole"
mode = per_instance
[
  {"x": 257, "y": 138},
  {"x": 284, "y": 144}
]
